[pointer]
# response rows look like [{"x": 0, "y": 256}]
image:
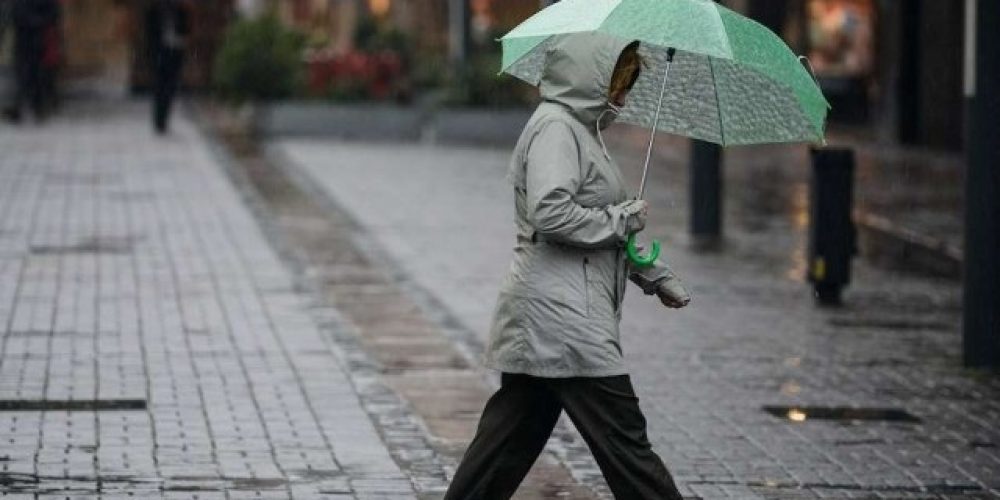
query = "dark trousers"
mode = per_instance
[
  {"x": 168, "y": 66},
  {"x": 519, "y": 418}
]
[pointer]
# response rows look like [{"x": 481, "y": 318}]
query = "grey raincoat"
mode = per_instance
[{"x": 559, "y": 307}]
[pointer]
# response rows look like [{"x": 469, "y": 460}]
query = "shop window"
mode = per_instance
[
  {"x": 841, "y": 41},
  {"x": 379, "y": 8},
  {"x": 841, "y": 37}
]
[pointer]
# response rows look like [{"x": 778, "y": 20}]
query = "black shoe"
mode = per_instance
[
  {"x": 160, "y": 126},
  {"x": 12, "y": 115}
]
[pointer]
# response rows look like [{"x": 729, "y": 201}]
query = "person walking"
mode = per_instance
[
  {"x": 168, "y": 26},
  {"x": 6, "y": 8},
  {"x": 555, "y": 333},
  {"x": 50, "y": 62},
  {"x": 33, "y": 21}
]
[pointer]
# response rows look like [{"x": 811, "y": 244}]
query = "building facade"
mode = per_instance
[{"x": 891, "y": 68}]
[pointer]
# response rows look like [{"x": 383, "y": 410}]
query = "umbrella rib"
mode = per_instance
[{"x": 718, "y": 104}]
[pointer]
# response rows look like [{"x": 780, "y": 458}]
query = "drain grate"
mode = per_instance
[
  {"x": 982, "y": 444},
  {"x": 30, "y": 333},
  {"x": 889, "y": 323},
  {"x": 841, "y": 413},
  {"x": 94, "y": 245},
  {"x": 72, "y": 404},
  {"x": 132, "y": 196}
]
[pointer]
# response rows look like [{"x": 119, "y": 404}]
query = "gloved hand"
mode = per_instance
[
  {"x": 672, "y": 293},
  {"x": 637, "y": 211}
]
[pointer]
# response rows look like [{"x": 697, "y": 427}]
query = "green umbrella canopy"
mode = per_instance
[{"x": 733, "y": 81}]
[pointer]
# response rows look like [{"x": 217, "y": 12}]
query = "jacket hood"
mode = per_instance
[{"x": 577, "y": 73}]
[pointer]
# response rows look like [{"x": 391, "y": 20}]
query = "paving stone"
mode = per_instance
[{"x": 130, "y": 267}]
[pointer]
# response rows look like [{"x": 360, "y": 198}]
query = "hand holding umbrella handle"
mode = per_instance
[{"x": 632, "y": 249}]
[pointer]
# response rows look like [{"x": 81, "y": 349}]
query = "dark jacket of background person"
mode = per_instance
[
  {"x": 35, "y": 24},
  {"x": 31, "y": 19},
  {"x": 5, "y": 20},
  {"x": 168, "y": 26},
  {"x": 158, "y": 18}
]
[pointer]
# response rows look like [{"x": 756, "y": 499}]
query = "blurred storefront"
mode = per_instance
[
  {"x": 105, "y": 39},
  {"x": 397, "y": 49},
  {"x": 890, "y": 68},
  {"x": 95, "y": 36},
  {"x": 337, "y": 22}
]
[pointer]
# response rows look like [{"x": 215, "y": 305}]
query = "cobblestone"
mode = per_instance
[{"x": 130, "y": 268}]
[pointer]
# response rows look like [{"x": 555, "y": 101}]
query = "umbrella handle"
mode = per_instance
[{"x": 632, "y": 249}]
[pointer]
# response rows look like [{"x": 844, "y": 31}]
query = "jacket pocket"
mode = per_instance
[{"x": 586, "y": 284}]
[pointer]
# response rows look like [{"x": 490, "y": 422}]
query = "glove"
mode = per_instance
[
  {"x": 672, "y": 293},
  {"x": 636, "y": 211}
]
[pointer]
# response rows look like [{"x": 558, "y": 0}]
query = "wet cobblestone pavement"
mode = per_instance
[
  {"x": 171, "y": 334},
  {"x": 752, "y": 338},
  {"x": 154, "y": 345}
]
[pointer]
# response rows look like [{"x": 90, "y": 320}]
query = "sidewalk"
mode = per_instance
[
  {"x": 751, "y": 340},
  {"x": 146, "y": 313}
]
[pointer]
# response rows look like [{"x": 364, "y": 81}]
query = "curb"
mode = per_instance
[
  {"x": 388, "y": 122},
  {"x": 902, "y": 248}
]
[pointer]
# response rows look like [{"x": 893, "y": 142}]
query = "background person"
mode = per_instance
[
  {"x": 5, "y": 22},
  {"x": 168, "y": 26},
  {"x": 33, "y": 21}
]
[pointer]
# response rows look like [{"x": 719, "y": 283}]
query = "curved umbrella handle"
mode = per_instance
[{"x": 632, "y": 249}]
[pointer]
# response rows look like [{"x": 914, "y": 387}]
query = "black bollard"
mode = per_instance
[
  {"x": 706, "y": 195},
  {"x": 832, "y": 235}
]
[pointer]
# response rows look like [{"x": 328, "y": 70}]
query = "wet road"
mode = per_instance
[{"x": 751, "y": 338}]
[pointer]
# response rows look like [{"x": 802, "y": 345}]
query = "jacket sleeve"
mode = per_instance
[
  {"x": 650, "y": 278},
  {"x": 552, "y": 178},
  {"x": 658, "y": 279}
]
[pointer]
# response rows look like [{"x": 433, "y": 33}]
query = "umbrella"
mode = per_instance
[{"x": 731, "y": 80}]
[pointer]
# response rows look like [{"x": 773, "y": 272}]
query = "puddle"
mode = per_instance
[
  {"x": 889, "y": 323},
  {"x": 72, "y": 405},
  {"x": 976, "y": 445},
  {"x": 131, "y": 196},
  {"x": 859, "y": 442},
  {"x": 258, "y": 484},
  {"x": 192, "y": 488},
  {"x": 92, "y": 245},
  {"x": 841, "y": 413},
  {"x": 73, "y": 486},
  {"x": 308, "y": 475},
  {"x": 89, "y": 485},
  {"x": 46, "y": 333},
  {"x": 74, "y": 178}
]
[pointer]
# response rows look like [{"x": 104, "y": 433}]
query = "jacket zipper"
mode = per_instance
[{"x": 618, "y": 286}]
